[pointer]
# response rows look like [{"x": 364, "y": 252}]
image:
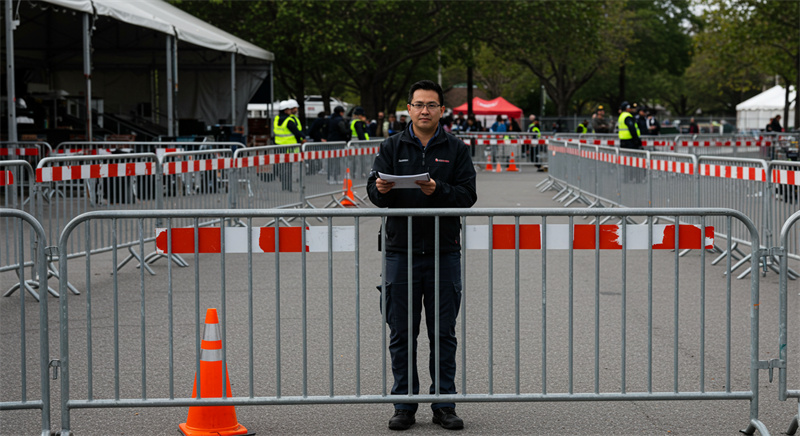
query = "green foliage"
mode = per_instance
[{"x": 584, "y": 52}]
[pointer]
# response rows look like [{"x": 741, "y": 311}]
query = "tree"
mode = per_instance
[{"x": 568, "y": 44}]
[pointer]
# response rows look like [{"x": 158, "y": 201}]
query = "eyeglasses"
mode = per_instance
[{"x": 430, "y": 106}]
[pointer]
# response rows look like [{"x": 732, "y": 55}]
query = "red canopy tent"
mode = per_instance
[{"x": 497, "y": 106}]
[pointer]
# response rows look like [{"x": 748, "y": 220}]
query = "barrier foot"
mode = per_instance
[
  {"x": 154, "y": 256},
  {"x": 564, "y": 197},
  {"x": 756, "y": 425},
  {"x": 52, "y": 271},
  {"x": 547, "y": 179},
  {"x": 793, "y": 426},
  {"x": 550, "y": 184},
  {"x": 734, "y": 249},
  {"x": 28, "y": 289},
  {"x": 560, "y": 192},
  {"x": 37, "y": 285},
  {"x": 134, "y": 255}
]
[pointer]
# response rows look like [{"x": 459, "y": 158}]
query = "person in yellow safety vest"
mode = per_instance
[
  {"x": 629, "y": 136},
  {"x": 287, "y": 130},
  {"x": 358, "y": 125},
  {"x": 582, "y": 129}
]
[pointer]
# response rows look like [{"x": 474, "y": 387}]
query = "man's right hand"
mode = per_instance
[{"x": 383, "y": 186}]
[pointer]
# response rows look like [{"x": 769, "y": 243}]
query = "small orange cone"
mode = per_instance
[
  {"x": 349, "y": 199},
  {"x": 212, "y": 420},
  {"x": 489, "y": 163},
  {"x": 511, "y": 165},
  {"x": 499, "y": 169}
]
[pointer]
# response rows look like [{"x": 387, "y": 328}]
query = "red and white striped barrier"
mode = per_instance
[
  {"x": 506, "y": 141},
  {"x": 584, "y": 236},
  {"x": 193, "y": 166},
  {"x": 672, "y": 166},
  {"x": 210, "y": 241},
  {"x": 6, "y": 178},
  {"x": 731, "y": 172},
  {"x": 93, "y": 171},
  {"x": 160, "y": 152},
  {"x": 725, "y": 143},
  {"x": 28, "y": 151},
  {"x": 786, "y": 177}
]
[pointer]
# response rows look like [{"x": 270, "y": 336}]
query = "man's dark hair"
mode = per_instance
[
  {"x": 427, "y": 85},
  {"x": 338, "y": 109},
  {"x": 321, "y": 114}
]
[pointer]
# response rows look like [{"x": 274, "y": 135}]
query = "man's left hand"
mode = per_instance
[{"x": 427, "y": 187}]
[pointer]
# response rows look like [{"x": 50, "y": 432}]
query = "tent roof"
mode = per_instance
[
  {"x": 497, "y": 106},
  {"x": 771, "y": 99},
  {"x": 165, "y": 18}
]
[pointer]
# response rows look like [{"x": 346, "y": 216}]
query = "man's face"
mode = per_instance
[
  {"x": 425, "y": 118},
  {"x": 380, "y": 115},
  {"x": 392, "y": 118},
  {"x": 402, "y": 118}
]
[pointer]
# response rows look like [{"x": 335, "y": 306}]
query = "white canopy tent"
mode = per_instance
[
  {"x": 755, "y": 113},
  {"x": 119, "y": 39}
]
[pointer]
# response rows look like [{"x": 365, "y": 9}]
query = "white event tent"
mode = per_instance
[
  {"x": 130, "y": 53},
  {"x": 756, "y": 112}
]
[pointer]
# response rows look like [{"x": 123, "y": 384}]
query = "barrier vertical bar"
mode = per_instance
[
  {"x": 544, "y": 304},
  {"x": 490, "y": 293}
]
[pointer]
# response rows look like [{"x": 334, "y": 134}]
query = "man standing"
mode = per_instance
[
  {"x": 628, "y": 129},
  {"x": 287, "y": 131},
  {"x": 423, "y": 147},
  {"x": 775, "y": 124},
  {"x": 358, "y": 125},
  {"x": 599, "y": 122}
]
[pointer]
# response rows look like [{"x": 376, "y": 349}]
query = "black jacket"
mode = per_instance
[
  {"x": 338, "y": 130},
  {"x": 448, "y": 161}
]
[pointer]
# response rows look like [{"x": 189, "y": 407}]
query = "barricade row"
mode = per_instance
[
  {"x": 565, "y": 361},
  {"x": 766, "y": 191}
]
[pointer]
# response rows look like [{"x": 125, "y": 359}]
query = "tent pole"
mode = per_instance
[
  {"x": 233, "y": 88},
  {"x": 87, "y": 73},
  {"x": 12, "y": 96},
  {"x": 175, "y": 82},
  {"x": 170, "y": 85}
]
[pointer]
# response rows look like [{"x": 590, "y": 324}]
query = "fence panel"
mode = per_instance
[
  {"x": 29, "y": 151},
  {"x": 326, "y": 171},
  {"x": 19, "y": 323},
  {"x": 789, "y": 236},
  {"x": 785, "y": 199},
  {"x": 268, "y": 177},
  {"x": 304, "y": 332}
]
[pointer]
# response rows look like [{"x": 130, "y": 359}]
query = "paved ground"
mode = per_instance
[{"x": 494, "y": 190}]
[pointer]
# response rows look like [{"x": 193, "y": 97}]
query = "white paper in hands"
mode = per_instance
[{"x": 405, "y": 182}]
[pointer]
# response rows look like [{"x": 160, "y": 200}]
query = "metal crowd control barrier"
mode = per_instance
[
  {"x": 85, "y": 148},
  {"x": 641, "y": 179},
  {"x": 19, "y": 394},
  {"x": 320, "y": 320},
  {"x": 490, "y": 148},
  {"x": 789, "y": 235},
  {"x": 735, "y": 145},
  {"x": 739, "y": 184},
  {"x": 785, "y": 190},
  {"x": 17, "y": 189},
  {"x": 29, "y": 151},
  {"x": 325, "y": 172},
  {"x": 76, "y": 184}
]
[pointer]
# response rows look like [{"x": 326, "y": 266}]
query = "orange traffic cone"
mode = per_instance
[
  {"x": 211, "y": 420},
  {"x": 489, "y": 163},
  {"x": 512, "y": 166},
  {"x": 499, "y": 169},
  {"x": 348, "y": 200}
]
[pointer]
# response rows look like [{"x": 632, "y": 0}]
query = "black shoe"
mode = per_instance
[
  {"x": 403, "y": 419},
  {"x": 447, "y": 418}
]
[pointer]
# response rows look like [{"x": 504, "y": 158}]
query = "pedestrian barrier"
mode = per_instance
[
  {"x": 25, "y": 393},
  {"x": 324, "y": 173},
  {"x": 565, "y": 360},
  {"x": 790, "y": 234},
  {"x": 647, "y": 179},
  {"x": 17, "y": 189}
]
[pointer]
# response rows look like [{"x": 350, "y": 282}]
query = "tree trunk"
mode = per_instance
[{"x": 469, "y": 91}]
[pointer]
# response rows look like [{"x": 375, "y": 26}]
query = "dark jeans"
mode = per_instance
[{"x": 396, "y": 287}]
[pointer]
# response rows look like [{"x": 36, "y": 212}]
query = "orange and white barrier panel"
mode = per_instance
[
  {"x": 94, "y": 171},
  {"x": 290, "y": 239},
  {"x": 6, "y": 178},
  {"x": 584, "y": 237},
  {"x": 530, "y": 238}
]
